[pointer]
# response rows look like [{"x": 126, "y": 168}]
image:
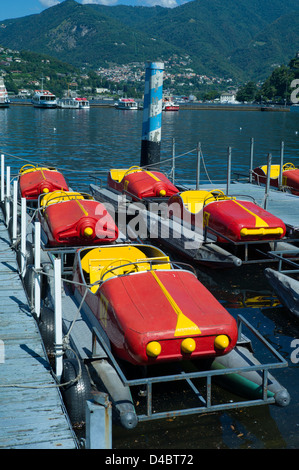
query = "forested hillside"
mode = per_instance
[{"x": 244, "y": 40}]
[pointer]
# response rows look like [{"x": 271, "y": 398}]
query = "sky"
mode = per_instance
[{"x": 18, "y": 8}]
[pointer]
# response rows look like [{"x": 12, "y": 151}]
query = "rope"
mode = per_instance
[
  {"x": 45, "y": 164},
  {"x": 65, "y": 345},
  {"x": 100, "y": 171},
  {"x": 169, "y": 159},
  {"x": 204, "y": 165},
  {"x": 57, "y": 384}
]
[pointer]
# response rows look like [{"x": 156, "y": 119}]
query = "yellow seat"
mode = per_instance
[
  {"x": 195, "y": 200},
  {"x": 274, "y": 170},
  {"x": 59, "y": 196},
  {"x": 30, "y": 168},
  {"x": 118, "y": 174},
  {"x": 105, "y": 262}
]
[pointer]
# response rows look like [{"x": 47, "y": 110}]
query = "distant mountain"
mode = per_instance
[{"x": 241, "y": 39}]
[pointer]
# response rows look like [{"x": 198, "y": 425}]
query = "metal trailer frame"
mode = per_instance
[
  {"x": 279, "y": 256},
  {"x": 206, "y": 402},
  {"x": 247, "y": 244},
  {"x": 206, "y": 240}
]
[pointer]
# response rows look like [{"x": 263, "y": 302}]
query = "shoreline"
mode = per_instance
[{"x": 193, "y": 106}]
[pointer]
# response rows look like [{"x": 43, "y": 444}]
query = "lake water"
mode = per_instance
[{"x": 84, "y": 143}]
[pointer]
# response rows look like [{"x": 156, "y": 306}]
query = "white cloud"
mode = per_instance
[
  {"x": 49, "y": 3},
  {"x": 162, "y": 3},
  {"x": 100, "y": 2}
]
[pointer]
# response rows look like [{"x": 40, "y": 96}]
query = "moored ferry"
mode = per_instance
[
  {"x": 169, "y": 105},
  {"x": 4, "y": 100},
  {"x": 44, "y": 99},
  {"x": 73, "y": 103},
  {"x": 126, "y": 103}
]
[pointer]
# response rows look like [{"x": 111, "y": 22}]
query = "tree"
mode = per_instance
[
  {"x": 277, "y": 86},
  {"x": 11, "y": 86},
  {"x": 247, "y": 92}
]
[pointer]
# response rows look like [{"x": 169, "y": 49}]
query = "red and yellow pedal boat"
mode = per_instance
[
  {"x": 290, "y": 176},
  {"x": 35, "y": 180},
  {"x": 238, "y": 220},
  {"x": 75, "y": 219},
  {"x": 150, "y": 311},
  {"x": 141, "y": 183}
]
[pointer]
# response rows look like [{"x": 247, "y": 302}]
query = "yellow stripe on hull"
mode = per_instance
[
  {"x": 184, "y": 325},
  {"x": 259, "y": 222}
]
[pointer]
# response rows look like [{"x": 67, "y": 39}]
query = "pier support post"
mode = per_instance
[
  {"x": 229, "y": 160},
  {"x": 7, "y": 200},
  {"x": 2, "y": 177},
  {"x": 15, "y": 212},
  {"x": 152, "y": 115},
  {"x": 173, "y": 161},
  {"x": 251, "y": 159},
  {"x": 281, "y": 164},
  {"x": 23, "y": 236},
  {"x": 268, "y": 180},
  {"x": 37, "y": 276},
  {"x": 58, "y": 319},
  {"x": 99, "y": 422},
  {"x": 198, "y": 152}
]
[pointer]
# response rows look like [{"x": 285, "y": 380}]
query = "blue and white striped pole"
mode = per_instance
[{"x": 152, "y": 115}]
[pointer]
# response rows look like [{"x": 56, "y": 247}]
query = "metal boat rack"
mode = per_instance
[
  {"x": 247, "y": 244},
  {"x": 290, "y": 257},
  {"x": 206, "y": 402},
  {"x": 205, "y": 398},
  {"x": 229, "y": 250}
]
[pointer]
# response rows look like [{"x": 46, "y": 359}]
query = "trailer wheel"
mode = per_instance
[
  {"x": 76, "y": 393},
  {"x": 29, "y": 254},
  {"x": 29, "y": 282},
  {"x": 47, "y": 329},
  {"x": 10, "y": 227}
]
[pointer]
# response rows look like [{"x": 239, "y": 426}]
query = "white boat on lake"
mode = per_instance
[
  {"x": 44, "y": 99},
  {"x": 4, "y": 100},
  {"x": 126, "y": 103},
  {"x": 169, "y": 105},
  {"x": 73, "y": 103}
]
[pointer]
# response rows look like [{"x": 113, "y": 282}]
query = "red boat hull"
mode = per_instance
[
  {"x": 161, "y": 306},
  {"x": 144, "y": 184},
  {"x": 235, "y": 219},
  {"x": 290, "y": 178},
  {"x": 243, "y": 221},
  {"x": 171, "y": 108},
  {"x": 34, "y": 183},
  {"x": 78, "y": 222}
]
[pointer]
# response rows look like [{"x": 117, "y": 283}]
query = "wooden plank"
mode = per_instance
[{"x": 32, "y": 414}]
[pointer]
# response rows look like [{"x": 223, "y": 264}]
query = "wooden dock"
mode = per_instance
[{"x": 32, "y": 414}]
